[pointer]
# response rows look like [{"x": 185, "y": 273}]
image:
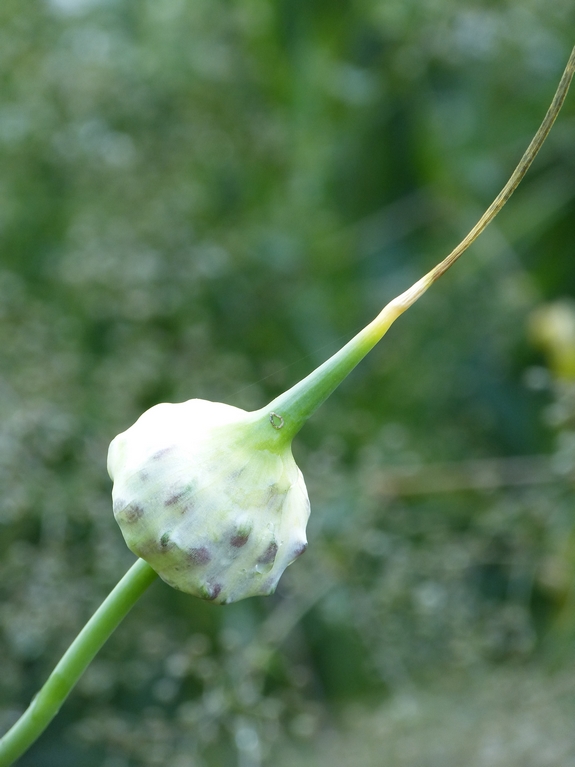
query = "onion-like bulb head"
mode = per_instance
[{"x": 214, "y": 510}]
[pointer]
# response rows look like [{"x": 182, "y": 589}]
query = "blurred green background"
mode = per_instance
[{"x": 206, "y": 198}]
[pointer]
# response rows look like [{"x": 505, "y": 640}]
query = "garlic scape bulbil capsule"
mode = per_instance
[{"x": 210, "y": 495}]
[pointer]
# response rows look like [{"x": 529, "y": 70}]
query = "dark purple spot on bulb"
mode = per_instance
[
  {"x": 173, "y": 499},
  {"x": 130, "y": 513},
  {"x": 299, "y": 549},
  {"x": 211, "y": 591},
  {"x": 269, "y": 554},
  {"x": 163, "y": 452},
  {"x": 199, "y": 556},
  {"x": 239, "y": 540}
]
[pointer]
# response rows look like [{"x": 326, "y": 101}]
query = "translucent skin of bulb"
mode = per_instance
[{"x": 212, "y": 510}]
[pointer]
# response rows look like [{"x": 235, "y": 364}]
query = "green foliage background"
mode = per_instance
[{"x": 206, "y": 198}]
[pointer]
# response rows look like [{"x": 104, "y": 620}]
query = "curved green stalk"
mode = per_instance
[{"x": 78, "y": 656}]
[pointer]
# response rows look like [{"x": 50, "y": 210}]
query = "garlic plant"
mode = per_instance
[{"x": 209, "y": 497}]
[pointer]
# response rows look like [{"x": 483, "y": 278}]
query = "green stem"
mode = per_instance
[
  {"x": 79, "y": 655},
  {"x": 297, "y": 404}
]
